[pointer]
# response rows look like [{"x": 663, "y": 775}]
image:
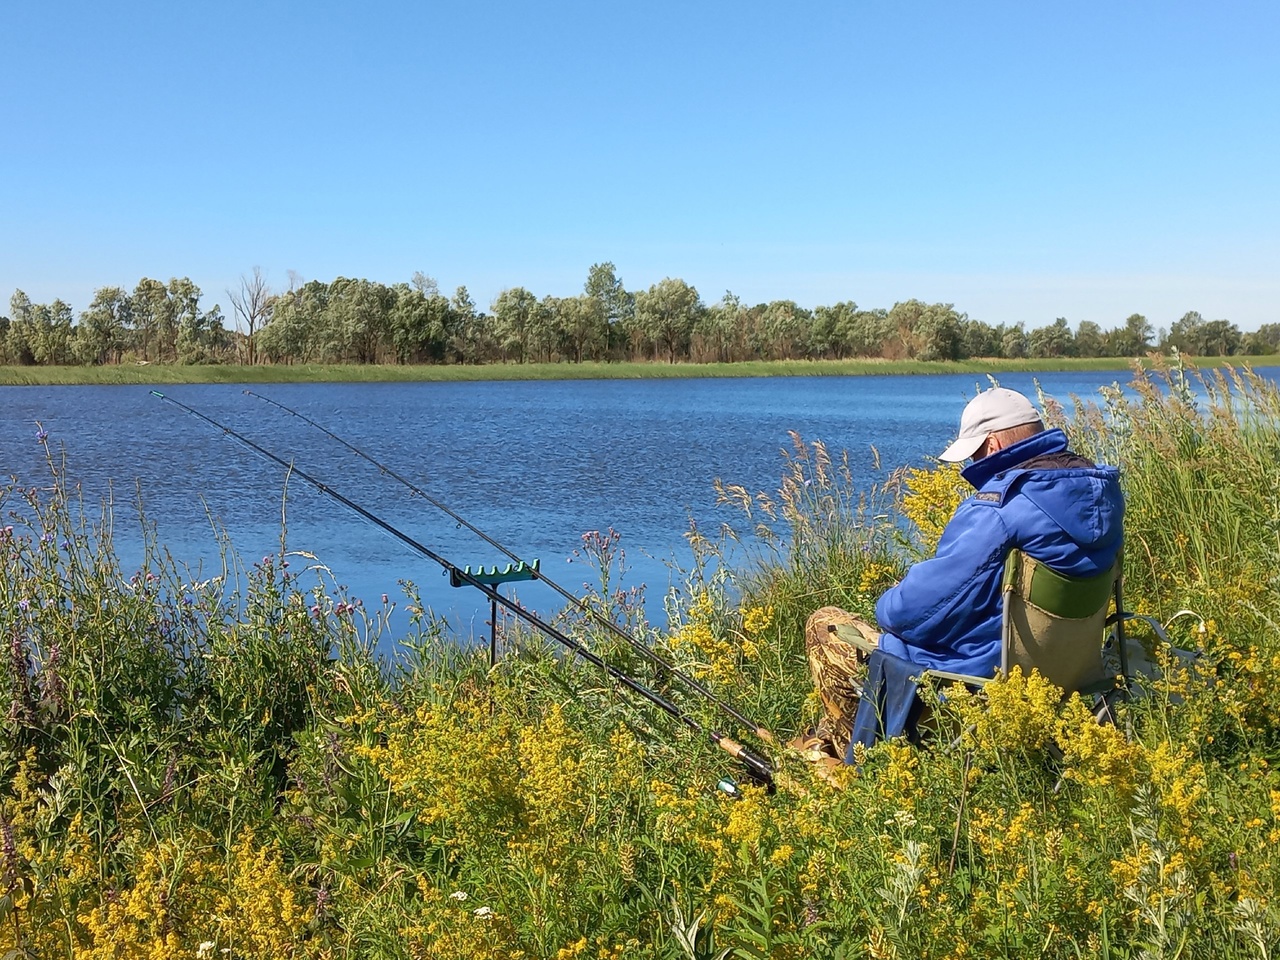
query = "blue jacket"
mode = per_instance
[{"x": 1034, "y": 495}]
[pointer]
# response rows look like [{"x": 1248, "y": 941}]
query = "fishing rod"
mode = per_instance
[
  {"x": 758, "y": 767},
  {"x": 595, "y": 614}
]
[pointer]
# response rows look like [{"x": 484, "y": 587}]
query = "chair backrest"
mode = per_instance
[{"x": 1055, "y": 623}]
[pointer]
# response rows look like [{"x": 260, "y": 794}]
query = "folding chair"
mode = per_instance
[{"x": 1050, "y": 622}]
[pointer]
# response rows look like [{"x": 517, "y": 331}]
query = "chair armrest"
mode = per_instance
[
  {"x": 851, "y": 636},
  {"x": 965, "y": 678}
]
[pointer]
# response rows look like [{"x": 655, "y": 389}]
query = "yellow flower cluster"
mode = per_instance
[
  {"x": 1013, "y": 714},
  {"x": 1097, "y": 755},
  {"x": 756, "y": 620},
  {"x": 551, "y": 789},
  {"x": 898, "y": 785},
  {"x": 247, "y": 907},
  {"x": 717, "y": 657},
  {"x": 454, "y": 767},
  {"x": 931, "y": 499},
  {"x": 1181, "y": 785}
]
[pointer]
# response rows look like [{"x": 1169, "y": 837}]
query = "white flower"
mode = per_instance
[
  {"x": 458, "y": 895},
  {"x": 484, "y": 913},
  {"x": 205, "y": 949}
]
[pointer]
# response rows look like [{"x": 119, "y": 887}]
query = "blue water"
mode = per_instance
[{"x": 533, "y": 464}]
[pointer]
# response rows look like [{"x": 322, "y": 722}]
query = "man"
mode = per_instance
[{"x": 1033, "y": 494}]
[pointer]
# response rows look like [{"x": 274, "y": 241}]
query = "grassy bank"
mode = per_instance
[
  {"x": 191, "y": 774},
  {"x": 355, "y": 373}
]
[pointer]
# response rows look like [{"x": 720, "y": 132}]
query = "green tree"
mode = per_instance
[
  {"x": 184, "y": 314},
  {"x": 357, "y": 318},
  {"x": 925, "y": 331},
  {"x": 1133, "y": 339},
  {"x": 604, "y": 288},
  {"x": 786, "y": 330},
  {"x": 978, "y": 339},
  {"x": 825, "y": 330},
  {"x": 40, "y": 333},
  {"x": 1089, "y": 342},
  {"x": 102, "y": 333},
  {"x": 1182, "y": 333},
  {"x": 1055, "y": 340},
  {"x": 583, "y": 325},
  {"x": 667, "y": 313},
  {"x": 294, "y": 333},
  {"x": 864, "y": 332},
  {"x": 515, "y": 311},
  {"x": 420, "y": 322},
  {"x": 1263, "y": 341},
  {"x": 1013, "y": 341},
  {"x": 472, "y": 338},
  {"x": 57, "y": 335},
  {"x": 20, "y": 331},
  {"x": 202, "y": 337},
  {"x": 716, "y": 330},
  {"x": 1218, "y": 338}
]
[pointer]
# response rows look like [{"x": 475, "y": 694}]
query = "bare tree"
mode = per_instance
[{"x": 252, "y": 303}]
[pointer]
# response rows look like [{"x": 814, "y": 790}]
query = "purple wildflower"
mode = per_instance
[
  {"x": 42, "y": 435},
  {"x": 24, "y": 605}
]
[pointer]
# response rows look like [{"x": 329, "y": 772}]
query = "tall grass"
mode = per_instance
[{"x": 218, "y": 770}]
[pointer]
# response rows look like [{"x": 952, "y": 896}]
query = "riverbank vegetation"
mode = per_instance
[
  {"x": 225, "y": 769},
  {"x": 365, "y": 323},
  {"x": 156, "y": 373}
]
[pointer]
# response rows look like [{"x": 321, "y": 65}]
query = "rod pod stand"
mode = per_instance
[{"x": 493, "y": 578}]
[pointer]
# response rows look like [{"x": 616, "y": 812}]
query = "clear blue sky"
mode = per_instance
[{"x": 1021, "y": 160}]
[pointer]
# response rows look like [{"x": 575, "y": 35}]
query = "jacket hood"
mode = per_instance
[{"x": 1086, "y": 502}]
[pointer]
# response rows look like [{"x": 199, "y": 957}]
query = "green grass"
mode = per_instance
[
  {"x": 226, "y": 768},
  {"x": 157, "y": 373}
]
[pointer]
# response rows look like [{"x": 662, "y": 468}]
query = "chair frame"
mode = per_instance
[{"x": 1025, "y": 575}]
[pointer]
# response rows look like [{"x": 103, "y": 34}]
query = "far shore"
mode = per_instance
[{"x": 156, "y": 373}]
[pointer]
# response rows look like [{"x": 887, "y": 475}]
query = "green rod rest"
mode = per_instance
[{"x": 494, "y": 575}]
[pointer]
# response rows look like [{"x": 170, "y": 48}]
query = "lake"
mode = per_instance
[{"x": 533, "y": 464}]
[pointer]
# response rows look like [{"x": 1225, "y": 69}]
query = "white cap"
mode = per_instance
[{"x": 989, "y": 412}]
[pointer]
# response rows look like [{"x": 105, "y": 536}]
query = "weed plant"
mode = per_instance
[{"x": 208, "y": 769}]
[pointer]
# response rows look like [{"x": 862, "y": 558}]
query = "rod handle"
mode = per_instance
[{"x": 758, "y": 766}]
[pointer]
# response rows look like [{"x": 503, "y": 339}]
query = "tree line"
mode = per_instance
[{"x": 363, "y": 321}]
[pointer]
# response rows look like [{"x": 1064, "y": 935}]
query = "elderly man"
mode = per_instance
[{"x": 1033, "y": 494}]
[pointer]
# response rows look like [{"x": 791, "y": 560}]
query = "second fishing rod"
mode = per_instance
[{"x": 580, "y": 604}]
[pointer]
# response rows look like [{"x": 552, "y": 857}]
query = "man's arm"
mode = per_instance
[{"x": 942, "y": 600}]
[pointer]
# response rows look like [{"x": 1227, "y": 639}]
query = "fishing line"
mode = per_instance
[
  {"x": 595, "y": 614},
  {"x": 759, "y": 767}
]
